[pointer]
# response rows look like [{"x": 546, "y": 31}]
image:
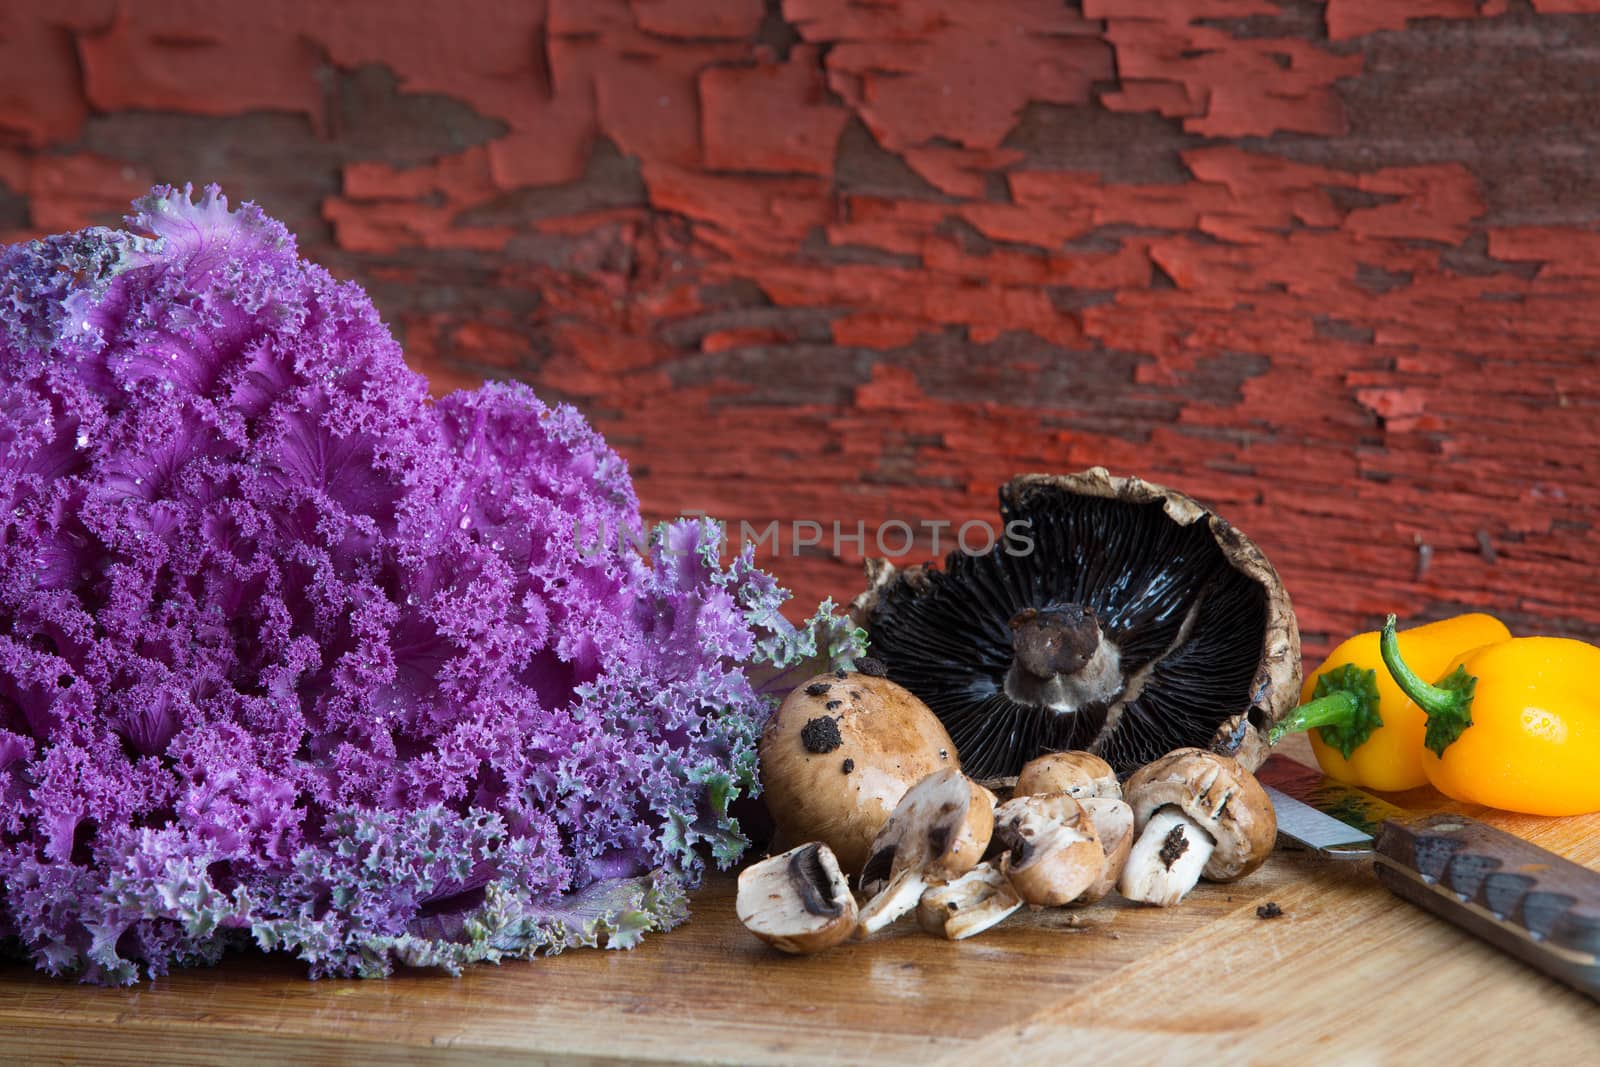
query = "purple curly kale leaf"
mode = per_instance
[{"x": 292, "y": 655}]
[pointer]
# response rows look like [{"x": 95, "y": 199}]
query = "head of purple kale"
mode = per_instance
[{"x": 292, "y": 655}]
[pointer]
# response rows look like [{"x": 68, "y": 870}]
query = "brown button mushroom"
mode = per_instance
[
  {"x": 1050, "y": 851},
  {"x": 1113, "y": 825},
  {"x": 798, "y": 902},
  {"x": 838, "y": 755},
  {"x": 1078, "y": 774},
  {"x": 1115, "y": 616},
  {"x": 1196, "y": 813},
  {"x": 938, "y": 831},
  {"x": 971, "y": 904}
]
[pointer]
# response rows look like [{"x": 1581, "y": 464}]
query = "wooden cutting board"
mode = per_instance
[{"x": 1348, "y": 974}]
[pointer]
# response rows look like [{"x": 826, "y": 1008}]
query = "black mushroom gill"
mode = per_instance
[{"x": 1135, "y": 623}]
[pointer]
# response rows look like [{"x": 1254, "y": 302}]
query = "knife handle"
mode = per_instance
[{"x": 1539, "y": 907}]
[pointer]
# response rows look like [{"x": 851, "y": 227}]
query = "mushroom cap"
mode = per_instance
[
  {"x": 1207, "y": 651},
  {"x": 1081, "y": 774},
  {"x": 1113, "y": 825},
  {"x": 1052, "y": 855},
  {"x": 1220, "y": 796},
  {"x": 834, "y": 774}
]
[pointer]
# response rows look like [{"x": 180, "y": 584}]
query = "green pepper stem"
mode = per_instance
[
  {"x": 1335, "y": 709},
  {"x": 1448, "y": 704}
]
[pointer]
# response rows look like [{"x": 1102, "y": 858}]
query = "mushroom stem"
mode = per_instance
[
  {"x": 1056, "y": 640},
  {"x": 1060, "y": 659},
  {"x": 1166, "y": 860},
  {"x": 894, "y": 900}
]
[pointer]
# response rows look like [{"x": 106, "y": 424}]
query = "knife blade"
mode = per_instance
[{"x": 1537, "y": 906}]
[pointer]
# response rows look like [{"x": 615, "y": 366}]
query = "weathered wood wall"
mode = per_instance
[{"x": 1331, "y": 267}]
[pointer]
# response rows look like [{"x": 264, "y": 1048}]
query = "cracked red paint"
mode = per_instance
[{"x": 827, "y": 260}]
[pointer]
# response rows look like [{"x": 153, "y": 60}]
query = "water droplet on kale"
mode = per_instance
[
  {"x": 466, "y": 520},
  {"x": 82, "y": 441}
]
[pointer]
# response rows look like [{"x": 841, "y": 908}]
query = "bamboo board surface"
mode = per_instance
[{"x": 1349, "y": 974}]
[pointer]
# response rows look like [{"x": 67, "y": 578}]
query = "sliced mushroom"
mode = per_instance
[
  {"x": 1080, "y": 774},
  {"x": 1115, "y": 616},
  {"x": 838, "y": 755},
  {"x": 971, "y": 904},
  {"x": 798, "y": 902},
  {"x": 938, "y": 831},
  {"x": 1051, "y": 853},
  {"x": 1113, "y": 825},
  {"x": 1197, "y": 813}
]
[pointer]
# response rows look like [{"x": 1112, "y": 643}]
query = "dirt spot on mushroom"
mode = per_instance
[
  {"x": 821, "y": 735},
  {"x": 816, "y": 689},
  {"x": 1269, "y": 910},
  {"x": 1174, "y": 846}
]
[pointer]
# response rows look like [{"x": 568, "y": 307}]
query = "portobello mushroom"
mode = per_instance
[{"x": 1115, "y": 616}]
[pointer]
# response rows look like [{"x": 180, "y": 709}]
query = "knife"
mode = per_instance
[{"x": 1529, "y": 902}]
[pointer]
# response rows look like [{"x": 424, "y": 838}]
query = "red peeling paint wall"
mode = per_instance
[{"x": 1332, "y": 268}]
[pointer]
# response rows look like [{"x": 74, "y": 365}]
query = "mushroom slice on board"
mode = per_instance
[
  {"x": 938, "y": 831},
  {"x": 798, "y": 902},
  {"x": 1196, "y": 813},
  {"x": 979, "y": 899},
  {"x": 1080, "y": 774},
  {"x": 1113, "y": 615},
  {"x": 838, "y": 755},
  {"x": 1113, "y": 825},
  {"x": 1049, "y": 848}
]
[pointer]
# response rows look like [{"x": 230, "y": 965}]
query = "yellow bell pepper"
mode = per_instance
[
  {"x": 1512, "y": 725},
  {"x": 1364, "y": 730}
]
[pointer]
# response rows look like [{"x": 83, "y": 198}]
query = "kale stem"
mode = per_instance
[{"x": 1335, "y": 709}]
